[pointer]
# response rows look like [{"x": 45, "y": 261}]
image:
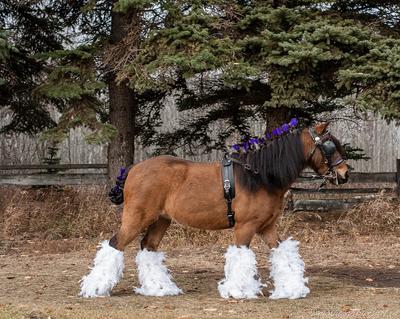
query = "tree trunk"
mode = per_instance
[
  {"x": 123, "y": 107},
  {"x": 275, "y": 117}
]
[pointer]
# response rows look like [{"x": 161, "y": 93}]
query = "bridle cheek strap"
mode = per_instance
[{"x": 318, "y": 142}]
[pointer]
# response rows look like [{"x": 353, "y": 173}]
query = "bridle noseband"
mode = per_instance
[{"x": 327, "y": 147}]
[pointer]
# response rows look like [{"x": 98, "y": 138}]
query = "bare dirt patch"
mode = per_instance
[
  {"x": 48, "y": 239},
  {"x": 348, "y": 279}
]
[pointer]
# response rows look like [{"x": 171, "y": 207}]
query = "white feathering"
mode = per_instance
[
  {"x": 106, "y": 272},
  {"x": 154, "y": 276},
  {"x": 287, "y": 271},
  {"x": 241, "y": 277}
]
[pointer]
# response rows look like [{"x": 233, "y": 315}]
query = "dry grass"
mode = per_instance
[
  {"x": 53, "y": 213},
  {"x": 379, "y": 216},
  {"x": 71, "y": 212}
]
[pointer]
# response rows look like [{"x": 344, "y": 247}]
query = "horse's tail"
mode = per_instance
[{"x": 116, "y": 193}]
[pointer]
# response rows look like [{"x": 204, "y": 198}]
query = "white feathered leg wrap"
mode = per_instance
[
  {"x": 241, "y": 277},
  {"x": 287, "y": 271},
  {"x": 154, "y": 277},
  {"x": 106, "y": 272}
]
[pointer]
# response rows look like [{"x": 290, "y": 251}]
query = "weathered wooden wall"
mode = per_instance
[{"x": 380, "y": 141}]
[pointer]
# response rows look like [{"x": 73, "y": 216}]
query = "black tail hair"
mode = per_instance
[{"x": 116, "y": 194}]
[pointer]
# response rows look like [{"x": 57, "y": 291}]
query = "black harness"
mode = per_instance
[
  {"x": 322, "y": 142},
  {"x": 228, "y": 183},
  {"x": 327, "y": 147}
]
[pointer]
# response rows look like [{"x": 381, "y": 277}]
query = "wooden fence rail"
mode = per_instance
[
  {"x": 367, "y": 187},
  {"x": 51, "y": 167},
  {"x": 54, "y": 174},
  {"x": 367, "y": 184}
]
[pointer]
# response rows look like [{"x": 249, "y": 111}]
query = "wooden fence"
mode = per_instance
[
  {"x": 305, "y": 195},
  {"x": 56, "y": 174},
  {"x": 361, "y": 186}
]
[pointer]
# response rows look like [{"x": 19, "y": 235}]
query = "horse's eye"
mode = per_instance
[{"x": 329, "y": 147}]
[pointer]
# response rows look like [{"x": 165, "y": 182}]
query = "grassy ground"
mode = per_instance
[
  {"x": 352, "y": 261},
  {"x": 348, "y": 279}
]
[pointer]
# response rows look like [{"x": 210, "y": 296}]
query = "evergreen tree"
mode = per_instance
[
  {"x": 271, "y": 59},
  {"x": 26, "y": 28},
  {"x": 49, "y": 66},
  {"x": 73, "y": 86},
  {"x": 227, "y": 62}
]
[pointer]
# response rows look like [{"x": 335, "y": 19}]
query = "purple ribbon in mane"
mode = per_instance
[{"x": 254, "y": 142}]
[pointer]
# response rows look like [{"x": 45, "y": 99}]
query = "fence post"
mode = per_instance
[{"x": 398, "y": 176}]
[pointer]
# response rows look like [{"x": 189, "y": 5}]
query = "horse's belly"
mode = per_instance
[
  {"x": 196, "y": 198},
  {"x": 200, "y": 214}
]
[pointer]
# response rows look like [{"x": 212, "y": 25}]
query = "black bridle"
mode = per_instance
[{"x": 327, "y": 146}]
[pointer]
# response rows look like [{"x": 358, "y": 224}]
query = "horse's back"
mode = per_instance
[{"x": 168, "y": 172}]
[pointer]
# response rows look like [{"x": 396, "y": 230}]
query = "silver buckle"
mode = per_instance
[{"x": 227, "y": 185}]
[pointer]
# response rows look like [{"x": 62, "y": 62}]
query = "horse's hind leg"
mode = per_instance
[
  {"x": 109, "y": 262},
  {"x": 154, "y": 276},
  {"x": 154, "y": 234}
]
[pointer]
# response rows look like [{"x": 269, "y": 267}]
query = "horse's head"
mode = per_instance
[{"x": 324, "y": 153}]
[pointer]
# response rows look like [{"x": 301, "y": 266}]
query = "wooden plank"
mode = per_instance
[
  {"x": 53, "y": 179},
  {"x": 325, "y": 204},
  {"x": 329, "y": 204},
  {"x": 53, "y": 166},
  {"x": 354, "y": 177},
  {"x": 388, "y": 177},
  {"x": 298, "y": 190}
]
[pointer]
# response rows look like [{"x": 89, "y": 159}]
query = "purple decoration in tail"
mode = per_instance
[{"x": 122, "y": 171}]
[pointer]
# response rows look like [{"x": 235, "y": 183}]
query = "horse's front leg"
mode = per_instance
[
  {"x": 241, "y": 276},
  {"x": 270, "y": 236},
  {"x": 287, "y": 267}
]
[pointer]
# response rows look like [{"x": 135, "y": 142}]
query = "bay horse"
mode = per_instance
[{"x": 166, "y": 188}]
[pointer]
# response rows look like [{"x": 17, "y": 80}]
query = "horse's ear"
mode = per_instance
[{"x": 321, "y": 128}]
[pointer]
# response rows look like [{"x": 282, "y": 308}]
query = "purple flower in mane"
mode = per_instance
[
  {"x": 254, "y": 142},
  {"x": 236, "y": 147},
  {"x": 285, "y": 127},
  {"x": 293, "y": 122},
  {"x": 246, "y": 146}
]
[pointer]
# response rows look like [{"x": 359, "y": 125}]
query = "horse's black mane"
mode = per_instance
[{"x": 278, "y": 163}]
